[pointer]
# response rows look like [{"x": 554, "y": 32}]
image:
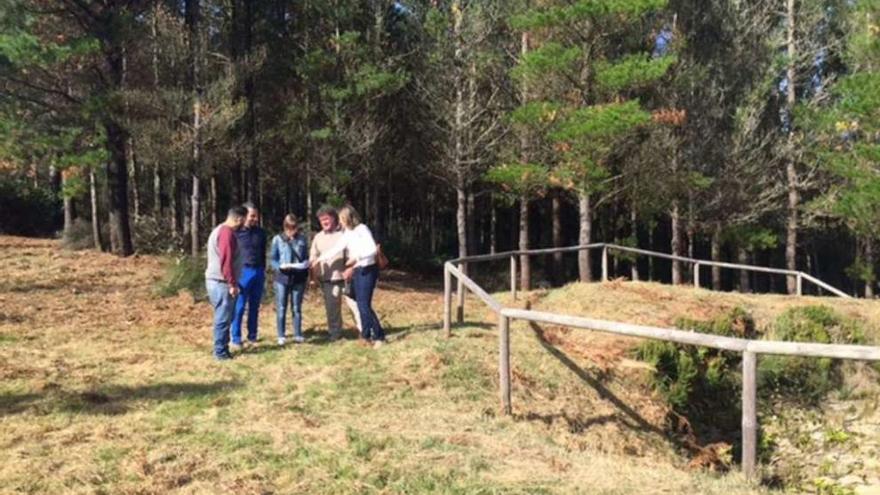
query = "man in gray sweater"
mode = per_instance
[
  {"x": 222, "y": 276},
  {"x": 330, "y": 273}
]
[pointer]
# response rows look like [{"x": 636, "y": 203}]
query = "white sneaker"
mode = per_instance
[
  {"x": 235, "y": 347},
  {"x": 299, "y": 340},
  {"x": 377, "y": 344},
  {"x": 282, "y": 341}
]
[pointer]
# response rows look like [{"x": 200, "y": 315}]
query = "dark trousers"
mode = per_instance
[{"x": 363, "y": 284}]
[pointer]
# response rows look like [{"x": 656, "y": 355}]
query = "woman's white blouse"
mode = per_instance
[{"x": 360, "y": 244}]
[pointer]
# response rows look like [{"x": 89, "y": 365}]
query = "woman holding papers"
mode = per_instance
[
  {"x": 361, "y": 270},
  {"x": 290, "y": 262}
]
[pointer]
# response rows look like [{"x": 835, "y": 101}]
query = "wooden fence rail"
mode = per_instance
[{"x": 749, "y": 348}]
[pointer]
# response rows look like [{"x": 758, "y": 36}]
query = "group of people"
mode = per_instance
[{"x": 342, "y": 259}]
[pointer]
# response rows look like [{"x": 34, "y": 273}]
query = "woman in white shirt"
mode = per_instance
[{"x": 362, "y": 271}]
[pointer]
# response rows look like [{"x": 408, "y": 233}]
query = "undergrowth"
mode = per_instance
[
  {"x": 806, "y": 378},
  {"x": 184, "y": 273}
]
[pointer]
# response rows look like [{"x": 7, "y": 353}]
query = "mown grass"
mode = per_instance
[{"x": 112, "y": 389}]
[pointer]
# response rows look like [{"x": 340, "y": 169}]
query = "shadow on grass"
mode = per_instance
[
  {"x": 469, "y": 324},
  {"x": 631, "y": 418},
  {"x": 575, "y": 424},
  {"x": 635, "y": 420},
  {"x": 110, "y": 400}
]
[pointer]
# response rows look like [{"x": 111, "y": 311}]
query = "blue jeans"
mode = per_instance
[
  {"x": 363, "y": 283},
  {"x": 251, "y": 283},
  {"x": 292, "y": 294},
  {"x": 223, "y": 304}
]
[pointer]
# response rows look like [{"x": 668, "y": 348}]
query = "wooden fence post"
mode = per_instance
[
  {"x": 513, "y": 277},
  {"x": 459, "y": 311},
  {"x": 697, "y": 275},
  {"x": 749, "y": 414},
  {"x": 447, "y": 301},
  {"x": 604, "y": 263},
  {"x": 504, "y": 362}
]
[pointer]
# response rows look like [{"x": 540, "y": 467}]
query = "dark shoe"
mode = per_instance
[{"x": 223, "y": 357}]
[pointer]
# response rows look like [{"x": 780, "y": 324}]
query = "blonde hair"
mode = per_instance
[
  {"x": 290, "y": 221},
  {"x": 349, "y": 217}
]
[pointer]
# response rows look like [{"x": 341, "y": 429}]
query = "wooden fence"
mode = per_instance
[{"x": 749, "y": 348}]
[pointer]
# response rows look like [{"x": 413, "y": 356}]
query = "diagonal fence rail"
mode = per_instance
[{"x": 750, "y": 349}]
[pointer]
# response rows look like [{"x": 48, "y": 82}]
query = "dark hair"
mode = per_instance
[
  {"x": 237, "y": 212},
  {"x": 250, "y": 206},
  {"x": 327, "y": 210}
]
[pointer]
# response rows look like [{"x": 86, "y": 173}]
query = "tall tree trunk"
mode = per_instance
[
  {"x": 558, "y": 269},
  {"x": 193, "y": 16},
  {"x": 391, "y": 216},
  {"x": 96, "y": 218},
  {"x": 157, "y": 178},
  {"x": 68, "y": 204},
  {"x": 460, "y": 219},
  {"x": 132, "y": 169},
  {"x": 493, "y": 225},
  {"x": 251, "y": 98},
  {"x": 742, "y": 257},
  {"x": 716, "y": 256},
  {"x": 117, "y": 137},
  {"x": 310, "y": 212},
  {"x": 472, "y": 222},
  {"x": 131, "y": 165},
  {"x": 634, "y": 228},
  {"x": 157, "y": 191},
  {"x": 117, "y": 190},
  {"x": 585, "y": 270},
  {"x": 525, "y": 270},
  {"x": 173, "y": 200},
  {"x": 691, "y": 233},
  {"x": 676, "y": 242},
  {"x": 187, "y": 212},
  {"x": 525, "y": 273},
  {"x": 213, "y": 201},
  {"x": 791, "y": 224},
  {"x": 458, "y": 132},
  {"x": 374, "y": 209},
  {"x": 432, "y": 224},
  {"x": 261, "y": 195}
]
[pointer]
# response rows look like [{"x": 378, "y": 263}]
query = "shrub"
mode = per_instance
[
  {"x": 79, "y": 236},
  {"x": 153, "y": 236},
  {"x": 28, "y": 209},
  {"x": 804, "y": 377},
  {"x": 696, "y": 379},
  {"x": 184, "y": 273}
]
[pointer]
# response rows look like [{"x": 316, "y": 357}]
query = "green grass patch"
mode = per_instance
[
  {"x": 183, "y": 273},
  {"x": 807, "y": 378}
]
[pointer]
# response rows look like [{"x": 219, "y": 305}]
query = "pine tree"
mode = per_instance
[
  {"x": 590, "y": 60},
  {"x": 848, "y": 139}
]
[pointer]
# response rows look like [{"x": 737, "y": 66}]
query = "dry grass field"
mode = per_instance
[{"x": 106, "y": 387}]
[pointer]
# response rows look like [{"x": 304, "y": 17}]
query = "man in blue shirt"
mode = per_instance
[{"x": 252, "y": 244}]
